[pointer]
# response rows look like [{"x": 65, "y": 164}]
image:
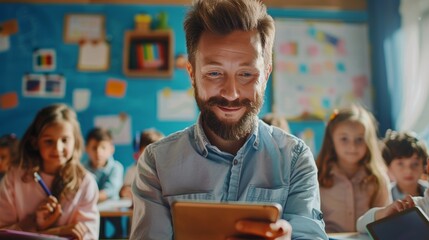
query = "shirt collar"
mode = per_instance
[
  {"x": 203, "y": 142},
  {"x": 358, "y": 177}
]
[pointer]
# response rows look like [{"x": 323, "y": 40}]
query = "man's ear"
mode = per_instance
[
  {"x": 268, "y": 71},
  {"x": 190, "y": 73}
]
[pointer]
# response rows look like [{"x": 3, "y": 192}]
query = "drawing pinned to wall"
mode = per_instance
[
  {"x": 9, "y": 27},
  {"x": 6, "y": 29},
  {"x": 4, "y": 43},
  {"x": 319, "y": 66},
  {"x": 116, "y": 88},
  {"x": 176, "y": 105},
  {"x": 43, "y": 85},
  {"x": 81, "y": 99},
  {"x": 93, "y": 56},
  {"x": 9, "y": 100},
  {"x": 44, "y": 60},
  {"x": 119, "y": 125},
  {"x": 79, "y": 27}
]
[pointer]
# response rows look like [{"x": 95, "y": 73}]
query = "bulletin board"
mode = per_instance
[{"x": 319, "y": 66}]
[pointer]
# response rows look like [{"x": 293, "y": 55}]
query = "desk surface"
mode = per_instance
[
  {"x": 120, "y": 212},
  {"x": 348, "y": 236},
  {"x": 116, "y": 208}
]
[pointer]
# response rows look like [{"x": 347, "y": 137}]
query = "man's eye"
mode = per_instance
[
  {"x": 246, "y": 74},
  {"x": 214, "y": 74}
]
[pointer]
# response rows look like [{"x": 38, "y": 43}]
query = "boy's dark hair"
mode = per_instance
[
  {"x": 99, "y": 134},
  {"x": 402, "y": 145},
  {"x": 149, "y": 136}
]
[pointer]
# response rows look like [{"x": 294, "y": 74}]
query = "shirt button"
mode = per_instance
[
  {"x": 235, "y": 161},
  {"x": 320, "y": 216}
]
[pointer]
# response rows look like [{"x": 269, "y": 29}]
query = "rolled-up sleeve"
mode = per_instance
[{"x": 303, "y": 205}]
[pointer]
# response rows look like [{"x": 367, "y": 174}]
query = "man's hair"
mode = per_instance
[
  {"x": 225, "y": 16},
  {"x": 402, "y": 145},
  {"x": 99, "y": 134}
]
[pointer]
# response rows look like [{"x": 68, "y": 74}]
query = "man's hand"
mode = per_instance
[{"x": 280, "y": 230}]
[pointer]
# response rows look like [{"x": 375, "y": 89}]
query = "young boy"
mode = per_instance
[
  {"x": 407, "y": 153},
  {"x": 406, "y": 158},
  {"x": 146, "y": 137},
  {"x": 107, "y": 171}
]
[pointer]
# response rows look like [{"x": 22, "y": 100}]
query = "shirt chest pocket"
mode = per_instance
[
  {"x": 190, "y": 196},
  {"x": 274, "y": 195}
]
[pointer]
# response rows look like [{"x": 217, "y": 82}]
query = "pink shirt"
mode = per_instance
[
  {"x": 348, "y": 199},
  {"x": 19, "y": 199}
]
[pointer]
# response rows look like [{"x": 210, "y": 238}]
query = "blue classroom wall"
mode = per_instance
[{"x": 41, "y": 26}]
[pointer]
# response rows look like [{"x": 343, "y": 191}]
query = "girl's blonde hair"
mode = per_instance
[
  {"x": 372, "y": 161},
  {"x": 70, "y": 176}
]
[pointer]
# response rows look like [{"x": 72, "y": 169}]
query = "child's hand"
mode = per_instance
[
  {"x": 71, "y": 231},
  {"x": 395, "y": 207},
  {"x": 126, "y": 192},
  {"x": 48, "y": 213},
  {"x": 280, "y": 230},
  {"x": 74, "y": 231}
]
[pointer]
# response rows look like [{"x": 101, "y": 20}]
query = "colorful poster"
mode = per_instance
[
  {"x": 175, "y": 105},
  {"x": 319, "y": 66},
  {"x": 119, "y": 126}
]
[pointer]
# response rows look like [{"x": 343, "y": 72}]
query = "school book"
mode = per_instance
[{"x": 6, "y": 234}]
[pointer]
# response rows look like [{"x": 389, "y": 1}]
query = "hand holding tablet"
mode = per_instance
[
  {"x": 411, "y": 223},
  {"x": 214, "y": 220}
]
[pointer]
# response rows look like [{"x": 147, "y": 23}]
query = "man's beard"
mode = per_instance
[{"x": 229, "y": 130}]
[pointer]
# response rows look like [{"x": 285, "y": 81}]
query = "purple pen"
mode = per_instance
[{"x": 38, "y": 179}]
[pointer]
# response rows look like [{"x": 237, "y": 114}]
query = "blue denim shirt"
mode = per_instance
[
  {"x": 109, "y": 178},
  {"x": 272, "y": 166}
]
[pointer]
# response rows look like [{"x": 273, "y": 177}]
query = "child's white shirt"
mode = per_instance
[{"x": 368, "y": 217}]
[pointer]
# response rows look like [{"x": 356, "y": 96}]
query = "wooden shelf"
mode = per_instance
[
  {"x": 300, "y": 4},
  {"x": 148, "y": 53}
]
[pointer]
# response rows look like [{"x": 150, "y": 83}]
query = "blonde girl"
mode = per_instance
[
  {"x": 352, "y": 174},
  {"x": 52, "y": 147}
]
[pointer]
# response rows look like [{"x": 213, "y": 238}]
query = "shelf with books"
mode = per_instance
[{"x": 148, "y": 54}]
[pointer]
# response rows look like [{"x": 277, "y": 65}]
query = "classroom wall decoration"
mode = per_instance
[
  {"x": 319, "y": 66},
  {"x": 93, "y": 55},
  {"x": 44, "y": 60},
  {"x": 43, "y": 85},
  {"x": 9, "y": 100},
  {"x": 119, "y": 125},
  {"x": 81, "y": 99},
  {"x": 146, "y": 98},
  {"x": 79, "y": 27},
  {"x": 176, "y": 105}
]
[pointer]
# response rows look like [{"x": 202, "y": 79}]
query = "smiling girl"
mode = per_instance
[
  {"x": 352, "y": 175},
  {"x": 52, "y": 147}
]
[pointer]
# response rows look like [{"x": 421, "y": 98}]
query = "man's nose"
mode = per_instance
[{"x": 229, "y": 90}]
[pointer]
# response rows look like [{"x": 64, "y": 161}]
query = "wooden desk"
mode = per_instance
[
  {"x": 115, "y": 210},
  {"x": 348, "y": 236},
  {"x": 119, "y": 212}
]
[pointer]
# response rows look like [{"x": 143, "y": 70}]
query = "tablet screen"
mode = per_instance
[{"x": 409, "y": 224}]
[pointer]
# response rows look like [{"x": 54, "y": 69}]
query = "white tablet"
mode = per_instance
[
  {"x": 214, "y": 220},
  {"x": 410, "y": 224}
]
